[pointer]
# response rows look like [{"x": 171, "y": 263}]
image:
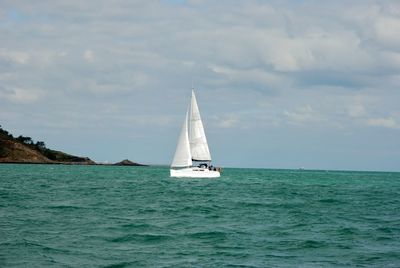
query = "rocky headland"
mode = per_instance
[{"x": 24, "y": 150}]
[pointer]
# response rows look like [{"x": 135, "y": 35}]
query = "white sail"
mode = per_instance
[
  {"x": 192, "y": 145},
  {"x": 183, "y": 157},
  {"x": 197, "y": 137}
]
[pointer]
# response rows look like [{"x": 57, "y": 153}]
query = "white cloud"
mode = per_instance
[
  {"x": 387, "y": 30},
  {"x": 19, "y": 57},
  {"x": 356, "y": 110},
  {"x": 258, "y": 64},
  {"x": 386, "y": 122},
  {"x": 155, "y": 120},
  {"x": 88, "y": 55},
  {"x": 226, "y": 121},
  {"x": 249, "y": 76},
  {"x": 301, "y": 115},
  {"x": 20, "y": 95}
]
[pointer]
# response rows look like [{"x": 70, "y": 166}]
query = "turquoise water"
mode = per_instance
[{"x": 104, "y": 216}]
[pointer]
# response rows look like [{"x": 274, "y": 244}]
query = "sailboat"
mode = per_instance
[{"x": 192, "y": 156}]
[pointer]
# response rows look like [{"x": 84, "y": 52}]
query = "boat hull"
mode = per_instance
[{"x": 194, "y": 172}]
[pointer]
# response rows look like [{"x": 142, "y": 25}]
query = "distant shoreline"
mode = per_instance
[
  {"x": 24, "y": 150},
  {"x": 75, "y": 164}
]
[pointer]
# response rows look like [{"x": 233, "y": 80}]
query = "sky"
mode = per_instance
[{"x": 280, "y": 84}]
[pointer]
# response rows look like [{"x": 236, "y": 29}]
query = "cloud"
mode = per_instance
[
  {"x": 385, "y": 122},
  {"x": 356, "y": 110},
  {"x": 256, "y": 77},
  {"x": 260, "y": 65},
  {"x": 226, "y": 121},
  {"x": 88, "y": 55},
  {"x": 301, "y": 115},
  {"x": 387, "y": 30},
  {"x": 154, "y": 120},
  {"x": 18, "y": 57},
  {"x": 23, "y": 96}
]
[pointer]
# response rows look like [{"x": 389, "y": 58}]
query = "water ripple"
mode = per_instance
[{"x": 81, "y": 216}]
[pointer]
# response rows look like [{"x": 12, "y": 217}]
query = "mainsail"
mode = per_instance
[
  {"x": 183, "y": 157},
  {"x": 197, "y": 137},
  {"x": 192, "y": 143}
]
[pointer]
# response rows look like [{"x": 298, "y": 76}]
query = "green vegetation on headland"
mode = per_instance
[{"x": 23, "y": 149}]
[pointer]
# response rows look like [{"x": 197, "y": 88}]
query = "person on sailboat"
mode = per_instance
[{"x": 203, "y": 165}]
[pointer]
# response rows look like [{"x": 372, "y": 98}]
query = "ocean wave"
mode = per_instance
[
  {"x": 119, "y": 265},
  {"x": 45, "y": 247},
  {"x": 212, "y": 235},
  {"x": 66, "y": 207},
  {"x": 145, "y": 238},
  {"x": 312, "y": 244},
  {"x": 117, "y": 218}
]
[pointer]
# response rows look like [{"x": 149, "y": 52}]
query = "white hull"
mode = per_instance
[{"x": 194, "y": 172}]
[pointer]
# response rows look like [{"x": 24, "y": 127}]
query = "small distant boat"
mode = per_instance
[{"x": 192, "y": 157}]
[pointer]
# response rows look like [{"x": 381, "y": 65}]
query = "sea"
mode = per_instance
[{"x": 111, "y": 216}]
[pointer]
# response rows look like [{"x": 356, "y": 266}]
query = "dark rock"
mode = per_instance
[{"x": 127, "y": 162}]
